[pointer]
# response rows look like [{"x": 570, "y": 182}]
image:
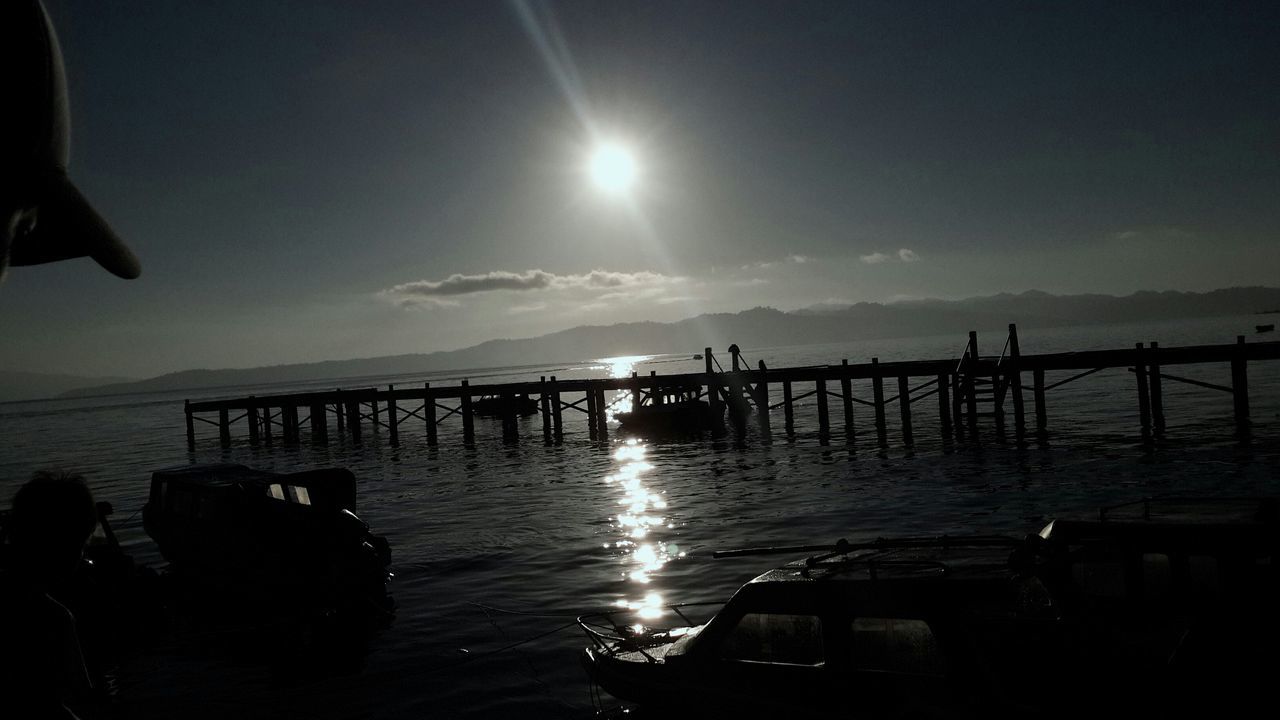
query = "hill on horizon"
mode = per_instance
[{"x": 757, "y": 327}]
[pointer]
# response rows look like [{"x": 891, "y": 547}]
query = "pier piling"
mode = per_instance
[
  {"x": 877, "y": 396},
  {"x": 788, "y": 412},
  {"x": 824, "y": 421},
  {"x": 1240, "y": 384},
  {"x": 1144, "y": 398},
  {"x": 904, "y": 404},
  {"x": 429, "y": 415},
  {"x": 468, "y": 420},
  {"x": 1157, "y": 391},
  {"x": 557, "y": 419},
  {"x": 393, "y": 416},
  {"x": 544, "y": 405},
  {"x": 846, "y": 397}
]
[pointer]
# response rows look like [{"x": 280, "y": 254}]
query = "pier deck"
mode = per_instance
[{"x": 969, "y": 389}]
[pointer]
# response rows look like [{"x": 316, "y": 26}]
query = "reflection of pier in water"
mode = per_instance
[{"x": 969, "y": 389}]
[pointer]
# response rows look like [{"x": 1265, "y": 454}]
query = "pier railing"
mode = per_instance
[{"x": 967, "y": 392}]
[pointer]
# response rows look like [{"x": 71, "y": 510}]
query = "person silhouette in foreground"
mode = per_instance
[
  {"x": 43, "y": 218},
  {"x": 42, "y": 670}
]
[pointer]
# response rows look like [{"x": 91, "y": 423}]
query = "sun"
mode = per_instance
[{"x": 613, "y": 168}]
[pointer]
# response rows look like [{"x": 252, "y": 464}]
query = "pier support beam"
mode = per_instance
[
  {"x": 1014, "y": 381},
  {"x": 602, "y": 416},
  {"x": 824, "y": 421},
  {"x": 224, "y": 428},
  {"x": 788, "y": 411},
  {"x": 944, "y": 405},
  {"x": 1157, "y": 390},
  {"x": 713, "y": 395},
  {"x": 393, "y": 416},
  {"x": 191, "y": 426},
  {"x": 1042, "y": 413},
  {"x": 970, "y": 387},
  {"x": 1240, "y": 386},
  {"x": 846, "y": 397},
  {"x": 762, "y": 401},
  {"x": 251, "y": 415},
  {"x": 592, "y": 432},
  {"x": 1144, "y": 399},
  {"x": 429, "y": 415},
  {"x": 510, "y": 430},
  {"x": 557, "y": 409},
  {"x": 877, "y": 396},
  {"x": 353, "y": 419},
  {"x": 319, "y": 424},
  {"x": 544, "y": 404},
  {"x": 904, "y": 405},
  {"x": 468, "y": 420}
]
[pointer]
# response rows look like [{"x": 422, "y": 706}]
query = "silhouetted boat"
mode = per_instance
[
  {"x": 1158, "y": 606},
  {"x": 697, "y": 356},
  {"x": 897, "y": 628},
  {"x": 1266, "y": 328},
  {"x": 494, "y": 405},
  {"x": 292, "y": 540},
  {"x": 684, "y": 416}
]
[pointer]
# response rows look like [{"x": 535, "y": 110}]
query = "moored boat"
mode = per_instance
[
  {"x": 290, "y": 540},
  {"x": 497, "y": 406},
  {"x": 681, "y": 417},
  {"x": 899, "y": 628},
  {"x": 1266, "y": 328}
]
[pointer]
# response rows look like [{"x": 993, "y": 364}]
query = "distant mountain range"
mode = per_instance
[
  {"x": 758, "y": 327},
  {"x": 17, "y": 385}
]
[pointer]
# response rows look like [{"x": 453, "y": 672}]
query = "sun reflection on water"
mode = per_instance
[{"x": 640, "y": 526}]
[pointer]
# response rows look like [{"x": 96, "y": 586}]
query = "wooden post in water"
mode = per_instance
[
  {"x": 544, "y": 404},
  {"x": 1042, "y": 413},
  {"x": 944, "y": 405},
  {"x": 557, "y": 419},
  {"x": 602, "y": 415},
  {"x": 713, "y": 395},
  {"x": 507, "y": 411},
  {"x": 635, "y": 391},
  {"x": 393, "y": 416},
  {"x": 824, "y": 422},
  {"x": 592, "y": 432},
  {"x": 877, "y": 393},
  {"x": 353, "y": 419},
  {"x": 1015, "y": 382},
  {"x": 191, "y": 426},
  {"x": 224, "y": 428},
  {"x": 429, "y": 415},
  {"x": 252, "y": 416},
  {"x": 970, "y": 368},
  {"x": 373, "y": 409},
  {"x": 266, "y": 424},
  {"x": 468, "y": 420},
  {"x": 340, "y": 413},
  {"x": 846, "y": 397},
  {"x": 1240, "y": 385},
  {"x": 957, "y": 402},
  {"x": 788, "y": 413},
  {"x": 737, "y": 406},
  {"x": 762, "y": 401},
  {"x": 1157, "y": 391},
  {"x": 319, "y": 423},
  {"x": 295, "y": 431},
  {"x": 904, "y": 405},
  {"x": 1144, "y": 400}
]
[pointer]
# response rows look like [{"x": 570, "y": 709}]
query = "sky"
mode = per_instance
[{"x": 327, "y": 179}]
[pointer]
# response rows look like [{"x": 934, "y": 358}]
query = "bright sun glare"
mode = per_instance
[{"x": 613, "y": 168}]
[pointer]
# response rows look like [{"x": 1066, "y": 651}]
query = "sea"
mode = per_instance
[{"x": 497, "y": 548}]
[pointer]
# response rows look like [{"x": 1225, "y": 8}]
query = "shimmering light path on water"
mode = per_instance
[{"x": 550, "y": 533}]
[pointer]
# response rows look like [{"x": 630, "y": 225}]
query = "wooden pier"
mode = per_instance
[{"x": 969, "y": 390}]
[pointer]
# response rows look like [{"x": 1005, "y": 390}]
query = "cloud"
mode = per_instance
[
  {"x": 904, "y": 255},
  {"x": 521, "y": 309},
  {"x": 618, "y": 285},
  {"x": 798, "y": 259}
]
